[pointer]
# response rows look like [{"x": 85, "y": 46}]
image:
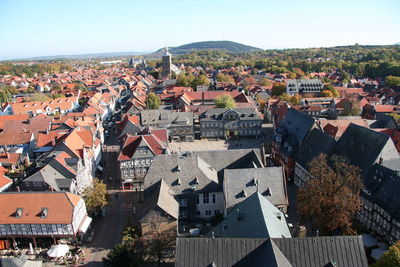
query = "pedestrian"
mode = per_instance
[{"x": 116, "y": 195}]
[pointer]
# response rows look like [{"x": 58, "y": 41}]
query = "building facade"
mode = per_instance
[
  {"x": 137, "y": 156},
  {"x": 220, "y": 122},
  {"x": 35, "y": 215},
  {"x": 178, "y": 124},
  {"x": 303, "y": 86},
  {"x": 166, "y": 64}
]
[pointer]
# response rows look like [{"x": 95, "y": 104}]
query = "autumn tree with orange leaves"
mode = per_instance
[{"x": 331, "y": 197}]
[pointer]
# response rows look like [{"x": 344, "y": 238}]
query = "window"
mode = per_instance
[
  {"x": 198, "y": 213},
  {"x": 216, "y": 212},
  {"x": 183, "y": 202},
  {"x": 214, "y": 198},
  {"x": 206, "y": 198},
  {"x": 208, "y": 212},
  {"x": 197, "y": 199},
  {"x": 182, "y": 214}
]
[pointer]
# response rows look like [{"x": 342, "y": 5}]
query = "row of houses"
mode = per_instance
[{"x": 300, "y": 138}]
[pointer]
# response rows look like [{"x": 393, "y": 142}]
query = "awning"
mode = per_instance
[
  {"x": 85, "y": 224},
  {"x": 100, "y": 168}
]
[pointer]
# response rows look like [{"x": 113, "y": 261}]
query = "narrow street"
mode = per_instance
[{"x": 118, "y": 213}]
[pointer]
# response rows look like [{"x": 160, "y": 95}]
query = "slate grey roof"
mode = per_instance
[
  {"x": 393, "y": 164},
  {"x": 361, "y": 146},
  {"x": 384, "y": 121},
  {"x": 293, "y": 129},
  {"x": 316, "y": 143},
  {"x": 161, "y": 197},
  {"x": 383, "y": 185},
  {"x": 183, "y": 173},
  {"x": 151, "y": 117},
  {"x": 231, "y": 159},
  {"x": 345, "y": 251},
  {"x": 270, "y": 182},
  {"x": 206, "y": 166},
  {"x": 254, "y": 217},
  {"x": 216, "y": 114},
  {"x": 52, "y": 177},
  {"x": 224, "y": 252}
]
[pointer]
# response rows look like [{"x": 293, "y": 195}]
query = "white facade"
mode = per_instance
[{"x": 209, "y": 204}]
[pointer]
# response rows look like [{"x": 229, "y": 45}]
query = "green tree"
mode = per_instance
[
  {"x": 57, "y": 87},
  {"x": 326, "y": 93},
  {"x": 392, "y": 81},
  {"x": 95, "y": 196},
  {"x": 265, "y": 82},
  {"x": 39, "y": 97},
  {"x": 224, "y": 78},
  {"x": 390, "y": 257},
  {"x": 153, "y": 101},
  {"x": 334, "y": 91},
  {"x": 159, "y": 247},
  {"x": 278, "y": 88},
  {"x": 285, "y": 97},
  {"x": 5, "y": 95},
  {"x": 225, "y": 101},
  {"x": 295, "y": 100},
  {"x": 81, "y": 87},
  {"x": 331, "y": 197},
  {"x": 123, "y": 255},
  {"x": 200, "y": 80}
]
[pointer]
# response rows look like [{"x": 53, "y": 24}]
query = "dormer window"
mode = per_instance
[
  {"x": 178, "y": 168},
  {"x": 267, "y": 192},
  {"x": 44, "y": 212},
  {"x": 18, "y": 213}
]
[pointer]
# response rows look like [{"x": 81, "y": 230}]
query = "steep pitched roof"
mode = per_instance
[
  {"x": 323, "y": 250},
  {"x": 227, "y": 252},
  {"x": 182, "y": 173},
  {"x": 315, "y": 144},
  {"x": 4, "y": 180},
  {"x": 270, "y": 182},
  {"x": 254, "y": 217},
  {"x": 361, "y": 146},
  {"x": 60, "y": 207},
  {"x": 132, "y": 143},
  {"x": 162, "y": 197},
  {"x": 383, "y": 185},
  {"x": 14, "y": 138}
]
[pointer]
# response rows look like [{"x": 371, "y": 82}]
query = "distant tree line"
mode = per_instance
[
  {"x": 369, "y": 61},
  {"x": 31, "y": 70}
]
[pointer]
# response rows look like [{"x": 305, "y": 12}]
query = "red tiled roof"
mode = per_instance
[
  {"x": 9, "y": 158},
  {"x": 14, "y": 138},
  {"x": 60, "y": 207},
  {"x": 4, "y": 180},
  {"x": 132, "y": 143},
  {"x": 386, "y": 108},
  {"x": 46, "y": 139},
  {"x": 62, "y": 103},
  {"x": 20, "y": 117}
]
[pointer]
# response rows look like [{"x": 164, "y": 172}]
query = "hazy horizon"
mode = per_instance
[
  {"x": 139, "y": 53},
  {"x": 50, "y": 28}
]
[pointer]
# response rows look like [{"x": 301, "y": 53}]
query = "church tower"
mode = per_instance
[
  {"x": 131, "y": 63},
  {"x": 166, "y": 63}
]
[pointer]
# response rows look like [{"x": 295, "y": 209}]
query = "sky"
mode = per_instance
[{"x": 64, "y": 27}]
